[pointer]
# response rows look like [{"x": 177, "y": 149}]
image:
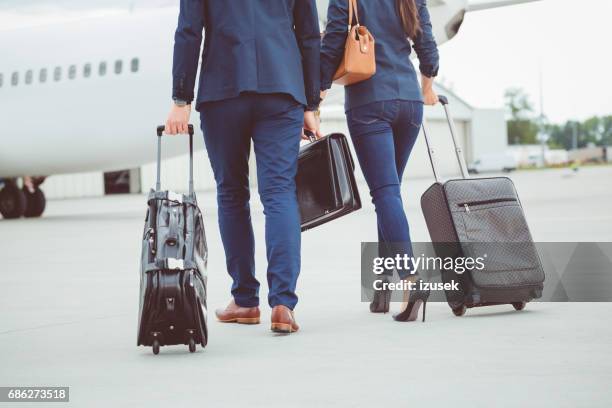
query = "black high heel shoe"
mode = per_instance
[
  {"x": 418, "y": 296},
  {"x": 382, "y": 299}
]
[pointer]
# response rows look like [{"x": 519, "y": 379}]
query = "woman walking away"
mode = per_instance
[{"x": 384, "y": 116}]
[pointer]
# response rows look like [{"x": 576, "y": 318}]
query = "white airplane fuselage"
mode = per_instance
[
  {"x": 83, "y": 124},
  {"x": 104, "y": 122}
]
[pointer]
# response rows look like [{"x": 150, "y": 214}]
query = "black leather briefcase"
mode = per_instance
[{"x": 326, "y": 186}]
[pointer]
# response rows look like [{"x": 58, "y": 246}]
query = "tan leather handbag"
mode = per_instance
[{"x": 359, "y": 61}]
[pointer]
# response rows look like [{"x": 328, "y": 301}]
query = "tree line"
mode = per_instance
[{"x": 524, "y": 127}]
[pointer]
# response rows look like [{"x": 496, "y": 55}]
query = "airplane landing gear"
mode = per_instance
[
  {"x": 35, "y": 197},
  {"x": 13, "y": 201},
  {"x": 16, "y": 202},
  {"x": 35, "y": 202}
]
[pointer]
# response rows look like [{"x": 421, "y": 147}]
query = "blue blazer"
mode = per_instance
[
  {"x": 395, "y": 76},
  {"x": 263, "y": 46}
]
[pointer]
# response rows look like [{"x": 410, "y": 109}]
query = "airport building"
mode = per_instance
[{"x": 480, "y": 131}]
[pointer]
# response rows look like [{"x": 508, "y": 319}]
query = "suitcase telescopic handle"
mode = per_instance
[
  {"x": 458, "y": 150},
  {"x": 160, "y": 133}
]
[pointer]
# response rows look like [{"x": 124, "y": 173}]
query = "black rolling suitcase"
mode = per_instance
[
  {"x": 173, "y": 267},
  {"x": 326, "y": 186},
  {"x": 481, "y": 217}
]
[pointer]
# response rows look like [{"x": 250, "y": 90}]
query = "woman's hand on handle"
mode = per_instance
[
  {"x": 429, "y": 95},
  {"x": 178, "y": 120}
]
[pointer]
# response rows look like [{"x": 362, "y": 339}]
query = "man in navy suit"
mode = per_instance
[{"x": 259, "y": 81}]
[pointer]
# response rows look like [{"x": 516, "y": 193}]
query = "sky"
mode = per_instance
[{"x": 568, "y": 41}]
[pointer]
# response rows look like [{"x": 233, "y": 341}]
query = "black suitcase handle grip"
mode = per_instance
[
  {"x": 443, "y": 99},
  {"x": 161, "y": 128}
]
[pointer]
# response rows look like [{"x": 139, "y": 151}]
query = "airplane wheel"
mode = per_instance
[
  {"x": 35, "y": 202},
  {"x": 12, "y": 201}
]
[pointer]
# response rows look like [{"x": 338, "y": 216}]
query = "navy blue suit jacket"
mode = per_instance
[
  {"x": 262, "y": 46},
  {"x": 395, "y": 76}
]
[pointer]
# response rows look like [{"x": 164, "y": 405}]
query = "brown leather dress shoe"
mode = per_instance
[
  {"x": 283, "y": 320},
  {"x": 238, "y": 314}
]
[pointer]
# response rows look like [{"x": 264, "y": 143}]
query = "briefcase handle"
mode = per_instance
[
  {"x": 310, "y": 135},
  {"x": 160, "y": 133},
  {"x": 453, "y": 131}
]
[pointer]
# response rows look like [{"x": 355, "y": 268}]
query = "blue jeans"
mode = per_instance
[
  {"x": 273, "y": 122},
  {"x": 383, "y": 135}
]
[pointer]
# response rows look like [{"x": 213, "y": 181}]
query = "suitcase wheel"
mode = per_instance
[
  {"x": 192, "y": 345},
  {"x": 459, "y": 311},
  {"x": 156, "y": 347},
  {"x": 519, "y": 305}
]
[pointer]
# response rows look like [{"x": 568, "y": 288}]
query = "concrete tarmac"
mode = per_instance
[{"x": 69, "y": 303}]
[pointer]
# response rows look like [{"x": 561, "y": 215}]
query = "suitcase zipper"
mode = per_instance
[{"x": 484, "y": 202}]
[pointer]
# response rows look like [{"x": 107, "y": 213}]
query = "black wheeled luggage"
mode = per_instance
[
  {"x": 173, "y": 267},
  {"x": 326, "y": 186},
  {"x": 481, "y": 217}
]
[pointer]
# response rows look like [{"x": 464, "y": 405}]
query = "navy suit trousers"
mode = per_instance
[{"x": 273, "y": 122}]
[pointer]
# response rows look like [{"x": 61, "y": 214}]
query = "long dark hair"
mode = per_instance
[{"x": 407, "y": 10}]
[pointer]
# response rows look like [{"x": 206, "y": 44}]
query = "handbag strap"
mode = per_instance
[{"x": 353, "y": 8}]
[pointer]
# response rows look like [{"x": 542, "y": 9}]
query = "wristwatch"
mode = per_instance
[{"x": 180, "y": 103}]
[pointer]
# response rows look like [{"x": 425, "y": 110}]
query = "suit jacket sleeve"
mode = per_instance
[
  {"x": 425, "y": 44},
  {"x": 308, "y": 35},
  {"x": 334, "y": 40},
  {"x": 187, "y": 43}
]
